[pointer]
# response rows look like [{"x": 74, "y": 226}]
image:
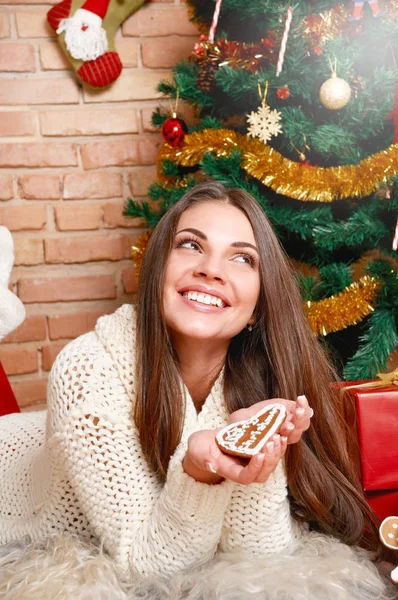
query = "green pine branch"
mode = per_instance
[{"x": 375, "y": 346}]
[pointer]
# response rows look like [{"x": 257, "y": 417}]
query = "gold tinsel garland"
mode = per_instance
[
  {"x": 289, "y": 178},
  {"x": 347, "y": 308}
]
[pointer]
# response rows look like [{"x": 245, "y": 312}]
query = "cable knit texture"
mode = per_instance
[{"x": 79, "y": 468}]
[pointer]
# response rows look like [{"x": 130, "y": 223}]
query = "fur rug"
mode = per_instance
[{"x": 62, "y": 568}]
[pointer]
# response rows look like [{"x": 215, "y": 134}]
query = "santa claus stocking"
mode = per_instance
[{"x": 86, "y": 32}]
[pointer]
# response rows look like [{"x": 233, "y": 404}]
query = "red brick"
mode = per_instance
[
  {"x": 26, "y": 217},
  {"x": 137, "y": 151},
  {"x": 141, "y": 179},
  {"x": 87, "y": 249},
  {"x": 4, "y": 24},
  {"x": 72, "y": 325},
  {"x": 77, "y": 217},
  {"x": 113, "y": 216},
  {"x": 132, "y": 85},
  {"x": 90, "y": 121},
  {"x": 49, "y": 354},
  {"x": 130, "y": 282},
  {"x": 39, "y": 91},
  {"x": 166, "y": 52},
  {"x": 30, "y": 391},
  {"x": 6, "y": 192},
  {"x": 92, "y": 185},
  {"x": 34, "y": 407},
  {"x": 17, "y": 57},
  {"x": 128, "y": 52},
  {"x": 33, "y": 23},
  {"x": 28, "y": 251},
  {"x": 66, "y": 289},
  {"x": 18, "y": 360},
  {"x": 39, "y": 187},
  {"x": 52, "y": 58},
  {"x": 16, "y": 123},
  {"x": 33, "y": 329},
  {"x": 153, "y": 21},
  {"x": 57, "y": 154}
]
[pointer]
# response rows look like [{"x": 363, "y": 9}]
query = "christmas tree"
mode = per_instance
[{"x": 298, "y": 105}]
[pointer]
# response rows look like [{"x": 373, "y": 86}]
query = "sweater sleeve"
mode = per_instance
[
  {"x": 258, "y": 520},
  {"x": 147, "y": 526}
]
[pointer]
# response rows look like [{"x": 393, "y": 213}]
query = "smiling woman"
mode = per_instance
[{"x": 127, "y": 453}]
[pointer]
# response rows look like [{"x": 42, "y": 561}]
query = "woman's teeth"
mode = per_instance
[{"x": 204, "y": 298}]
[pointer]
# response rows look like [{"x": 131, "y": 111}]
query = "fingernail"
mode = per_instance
[
  {"x": 210, "y": 468},
  {"x": 303, "y": 398},
  {"x": 300, "y": 412},
  {"x": 283, "y": 439},
  {"x": 289, "y": 426}
]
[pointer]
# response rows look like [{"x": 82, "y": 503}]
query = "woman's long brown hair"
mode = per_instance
[{"x": 279, "y": 358}]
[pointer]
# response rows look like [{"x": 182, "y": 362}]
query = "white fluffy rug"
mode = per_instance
[{"x": 63, "y": 568}]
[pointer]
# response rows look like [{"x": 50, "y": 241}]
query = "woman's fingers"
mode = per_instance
[
  {"x": 273, "y": 450},
  {"x": 302, "y": 414},
  {"x": 259, "y": 467}
]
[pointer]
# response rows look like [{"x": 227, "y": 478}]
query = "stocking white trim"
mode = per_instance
[
  {"x": 12, "y": 311},
  {"x": 85, "y": 38}
]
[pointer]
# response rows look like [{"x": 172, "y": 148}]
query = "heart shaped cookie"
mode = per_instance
[{"x": 246, "y": 438}]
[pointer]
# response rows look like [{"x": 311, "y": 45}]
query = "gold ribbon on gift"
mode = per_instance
[{"x": 384, "y": 379}]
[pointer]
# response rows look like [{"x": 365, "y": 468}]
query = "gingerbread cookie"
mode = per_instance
[
  {"x": 389, "y": 536},
  {"x": 389, "y": 532},
  {"x": 246, "y": 438}
]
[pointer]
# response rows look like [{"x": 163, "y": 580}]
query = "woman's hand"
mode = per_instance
[
  {"x": 205, "y": 461},
  {"x": 298, "y": 418}
]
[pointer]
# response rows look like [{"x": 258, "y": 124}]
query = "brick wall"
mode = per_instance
[{"x": 68, "y": 159}]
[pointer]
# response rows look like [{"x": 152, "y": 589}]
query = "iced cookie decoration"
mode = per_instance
[
  {"x": 389, "y": 536},
  {"x": 246, "y": 438}
]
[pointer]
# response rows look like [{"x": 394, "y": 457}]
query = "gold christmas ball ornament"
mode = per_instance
[{"x": 335, "y": 93}]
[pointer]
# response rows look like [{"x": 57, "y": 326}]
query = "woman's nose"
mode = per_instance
[{"x": 210, "y": 267}]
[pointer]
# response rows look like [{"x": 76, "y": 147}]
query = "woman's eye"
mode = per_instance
[
  {"x": 245, "y": 258},
  {"x": 190, "y": 244}
]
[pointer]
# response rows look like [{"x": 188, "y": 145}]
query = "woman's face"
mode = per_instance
[{"x": 212, "y": 278}]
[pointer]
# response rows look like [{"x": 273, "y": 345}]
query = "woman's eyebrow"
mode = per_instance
[
  {"x": 203, "y": 236},
  {"x": 200, "y": 234}
]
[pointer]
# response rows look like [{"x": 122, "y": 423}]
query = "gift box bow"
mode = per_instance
[{"x": 385, "y": 379}]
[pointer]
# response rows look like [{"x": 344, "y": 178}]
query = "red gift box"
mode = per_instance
[
  {"x": 385, "y": 504},
  {"x": 373, "y": 407},
  {"x": 8, "y": 402}
]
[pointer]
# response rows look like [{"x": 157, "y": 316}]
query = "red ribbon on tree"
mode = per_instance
[{"x": 394, "y": 115}]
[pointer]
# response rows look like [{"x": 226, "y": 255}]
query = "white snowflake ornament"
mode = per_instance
[{"x": 264, "y": 123}]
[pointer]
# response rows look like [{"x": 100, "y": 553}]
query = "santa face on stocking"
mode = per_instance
[
  {"x": 85, "y": 38},
  {"x": 86, "y": 33}
]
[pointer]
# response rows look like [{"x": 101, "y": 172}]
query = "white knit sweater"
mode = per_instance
[{"x": 79, "y": 468}]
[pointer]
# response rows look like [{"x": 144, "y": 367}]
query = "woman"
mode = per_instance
[{"x": 128, "y": 454}]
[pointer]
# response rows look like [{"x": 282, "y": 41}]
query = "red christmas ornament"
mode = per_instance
[
  {"x": 198, "y": 49},
  {"x": 283, "y": 92},
  {"x": 174, "y": 131}
]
